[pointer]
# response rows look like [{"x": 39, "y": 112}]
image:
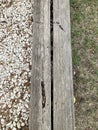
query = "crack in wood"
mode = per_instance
[
  {"x": 61, "y": 28},
  {"x": 51, "y": 40},
  {"x": 57, "y": 23},
  {"x": 43, "y": 94}
]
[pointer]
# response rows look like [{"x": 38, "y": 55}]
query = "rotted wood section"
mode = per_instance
[{"x": 51, "y": 102}]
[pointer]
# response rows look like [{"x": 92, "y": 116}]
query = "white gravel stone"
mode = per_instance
[
  {"x": 16, "y": 119},
  {"x": 9, "y": 125},
  {"x": 2, "y": 121},
  {"x": 22, "y": 124},
  {"x": 14, "y": 128},
  {"x": 18, "y": 125},
  {"x": 9, "y": 105},
  {"x": 14, "y": 123}
]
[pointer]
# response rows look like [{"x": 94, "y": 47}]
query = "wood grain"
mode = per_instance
[
  {"x": 62, "y": 67},
  {"x": 40, "y": 101}
]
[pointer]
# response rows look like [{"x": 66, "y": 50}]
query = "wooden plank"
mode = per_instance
[
  {"x": 40, "y": 101},
  {"x": 63, "y": 84}
]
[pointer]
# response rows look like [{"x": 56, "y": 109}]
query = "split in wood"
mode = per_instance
[{"x": 43, "y": 95}]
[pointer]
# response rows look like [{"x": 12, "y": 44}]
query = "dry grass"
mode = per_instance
[{"x": 84, "y": 19}]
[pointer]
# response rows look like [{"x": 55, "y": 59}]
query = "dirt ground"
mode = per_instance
[{"x": 84, "y": 20}]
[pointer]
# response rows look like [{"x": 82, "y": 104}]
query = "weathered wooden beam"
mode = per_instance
[
  {"x": 62, "y": 67},
  {"x": 51, "y": 103},
  {"x": 40, "y": 102}
]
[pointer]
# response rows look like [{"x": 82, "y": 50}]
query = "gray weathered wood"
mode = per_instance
[
  {"x": 63, "y": 84},
  {"x": 40, "y": 102}
]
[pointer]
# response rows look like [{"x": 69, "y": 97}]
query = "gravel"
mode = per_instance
[{"x": 15, "y": 63}]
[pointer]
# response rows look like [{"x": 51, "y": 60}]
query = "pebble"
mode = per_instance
[
  {"x": 22, "y": 124},
  {"x": 14, "y": 128},
  {"x": 9, "y": 124},
  {"x": 2, "y": 121},
  {"x": 9, "y": 105},
  {"x": 16, "y": 119},
  {"x": 14, "y": 123},
  {"x": 18, "y": 125}
]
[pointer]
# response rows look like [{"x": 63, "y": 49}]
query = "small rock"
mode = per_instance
[
  {"x": 2, "y": 121},
  {"x": 14, "y": 128},
  {"x": 16, "y": 119},
  {"x": 9, "y": 105},
  {"x": 22, "y": 124},
  {"x": 14, "y": 124},
  {"x": 18, "y": 125},
  {"x": 11, "y": 126}
]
